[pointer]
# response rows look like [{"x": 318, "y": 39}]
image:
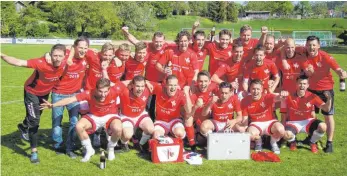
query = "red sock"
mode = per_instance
[{"x": 190, "y": 135}]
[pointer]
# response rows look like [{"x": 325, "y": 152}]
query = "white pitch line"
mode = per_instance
[{"x": 11, "y": 102}]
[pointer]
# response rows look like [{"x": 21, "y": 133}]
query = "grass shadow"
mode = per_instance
[{"x": 335, "y": 50}]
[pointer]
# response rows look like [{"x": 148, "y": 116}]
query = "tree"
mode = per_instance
[
  {"x": 320, "y": 8},
  {"x": 180, "y": 7},
  {"x": 283, "y": 7},
  {"x": 232, "y": 12},
  {"x": 162, "y": 9},
  {"x": 198, "y": 8},
  {"x": 303, "y": 8},
  {"x": 9, "y": 19},
  {"x": 217, "y": 11}
]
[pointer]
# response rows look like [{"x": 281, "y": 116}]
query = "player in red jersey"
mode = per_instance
[
  {"x": 103, "y": 113},
  {"x": 199, "y": 45},
  {"x": 69, "y": 85},
  {"x": 220, "y": 52},
  {"x": 183, "y": 61},
  {"x": 223, "y": 109},
  {"x": 258, "y": 108},
  {"x": 116, "y": 70},
  {"x": 298, "y": 118},
  {"x": 233, "y": 71},
  {"x": 317, "y": 67},
  {"x": 136, "y": 66},
  {"x": 200, "y": 94},
  {"x": 133, "y": 114},
  {"x": 169, "y": 102},
  {"x": 247, "y": 41},
  {"x": 262, "y": 69},
  {"x": 36, "y": 89}
]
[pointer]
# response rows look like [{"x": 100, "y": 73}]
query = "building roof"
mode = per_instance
[{"x": 257, "y": 11}]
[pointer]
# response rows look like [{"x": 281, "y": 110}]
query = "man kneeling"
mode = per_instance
[
  {"x": 298, "y": 119},
  {"x": 222, "y": 108},
  {"x": 102, "y": 113}
]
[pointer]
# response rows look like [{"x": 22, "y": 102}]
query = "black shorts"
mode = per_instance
[
  {"x": 32, "y": 107},
  {"x": 320, "y": 94}
]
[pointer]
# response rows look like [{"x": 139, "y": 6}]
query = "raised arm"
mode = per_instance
[
  {"x": 195, "y": 26},
  {"x": 129, "y": 36},
  {"x": 264, "y": 31},
  {"x": 14, "y": 61},
  {"x": 208, "y": 106},
  {"x": 188, "y": 105}
]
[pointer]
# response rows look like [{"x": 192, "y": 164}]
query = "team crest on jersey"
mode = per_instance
[
  {"x": 161, "y": 52},
  {"x": 308, "y": 104},
  {"x": 229, "y": 53},
  {"x": 173, "y": 103},
  {"x": 201, "y": 53},
  {"x": 230, "y": 106},
  {"x": 187, "y": 60},
  {"x": 266, "y": 71},
  {"x": 262, "y": 104},
  {"x": 319, "y": 64},
  {"x": 112, "y": 101},
  {"x": 144, "y": 98},
  {"x": 296, "y": 65}
]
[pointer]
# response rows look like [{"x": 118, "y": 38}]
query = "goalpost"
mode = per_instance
[{"x": 325, "y": 37}]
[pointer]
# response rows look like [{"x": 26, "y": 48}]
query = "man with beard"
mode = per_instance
[
  {"x": 183, "y": 61},
  {"x": 69, "y": 85},
  {"x": 317, "y": 67},
  {"x": 200, "y": 94},
  {"x": 233, "y": 71},
  {"x": 222, "y": 109},
  {"x": 36, "y": 89},
  {"x": 136, "y": 66},
  {"x": 102, "y": 113},
  {"x": 297, "y": 112},
  {"x": 247, "y": 42},
  {"x": 261, "y": 69},
  {"x": 258, "y": 108},
  {"x": 168, "y": 108},
  {"x": 133, "y": 114},
  {"x": 198, "y": 45},
  {"x": 219, "y": 52}
]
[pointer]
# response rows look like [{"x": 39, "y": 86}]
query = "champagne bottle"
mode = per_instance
[
  {"x": 213, "y": 32},
  {"x": 102, "y": 160}
]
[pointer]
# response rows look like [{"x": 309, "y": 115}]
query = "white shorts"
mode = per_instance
[
  {"x": 168, "y": 126},
  {"x": 99, "y": 122},
  {"x": 263, "y": 127},
  {"x": 131, "y": 122},
  {"x": 302, "y": 126},
  {"x": 218, "y": 126}
]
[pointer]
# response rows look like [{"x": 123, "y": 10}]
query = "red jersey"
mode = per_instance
[
  {"x": 248, "y": 48},
  {"x": 322, "y": 78},
  {"x": 132, "y": 106},
  {"x": 183, "y": 64},
  {"x": 205, "y": 96},
  {"x": 224, "y": 111},
  {"x": 73, "y": 77},
  {"x": 258, "y": 111},
  {"x": 168, "y": 108},
  {"x": 134, "y": 68},
  {"x": 273, "y": 56},
  {"x": 300, "y": 108},
  {"x": 201, "y": 54},
  {"x": 115, "y": 72},
  {"x": 289, "y": 76},
  {"x": 45, "y": 76},
  {"x": 262, "y": 72},
  {"x": 152, "y": 74},
  {"x": 218, "y": 56},
  {"x": 98, "y": 108},
  {"x": 231, "y": 72}
]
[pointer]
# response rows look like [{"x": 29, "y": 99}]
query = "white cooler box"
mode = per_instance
[{"x": 228, "y": 146}]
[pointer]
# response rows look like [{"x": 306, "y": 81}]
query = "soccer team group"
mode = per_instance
[{"x": 163, "y": 90}]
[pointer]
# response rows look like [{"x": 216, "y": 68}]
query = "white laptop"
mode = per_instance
[{"x": 228, "y": 146}]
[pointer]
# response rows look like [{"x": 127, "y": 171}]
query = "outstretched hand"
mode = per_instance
[{"x": 46, "y": 105}]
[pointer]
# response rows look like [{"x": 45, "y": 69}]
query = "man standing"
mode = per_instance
[
  {"x": 103, "y": 113},
  {"x": 199, "y": 45},
  {"x": 298, "y": 118},
  {"x": 180, "y": 61},
  {"x": 136, "y": 66},
  {"x": 258, "y": 107},
  {"x": 317, "y": 67},
  {"x": 69, "y": 85},
  {"x": 36, "y": 89}
]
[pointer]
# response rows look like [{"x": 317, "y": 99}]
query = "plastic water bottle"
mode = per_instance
[
  {"x": 102, "y": 160},
  {"x": 342, "y": 85}
]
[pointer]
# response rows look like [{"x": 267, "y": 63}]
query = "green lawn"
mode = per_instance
[
  {"x": 15, "y": 161},
  {"x": 171, "y": 25}
]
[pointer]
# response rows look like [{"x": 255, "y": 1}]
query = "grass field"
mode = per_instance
[
  {"x": 171, "y": 25},
  {"x": 14, "y": 151}
]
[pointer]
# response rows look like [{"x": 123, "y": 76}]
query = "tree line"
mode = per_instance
[{"x": 104, "y": 19}]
